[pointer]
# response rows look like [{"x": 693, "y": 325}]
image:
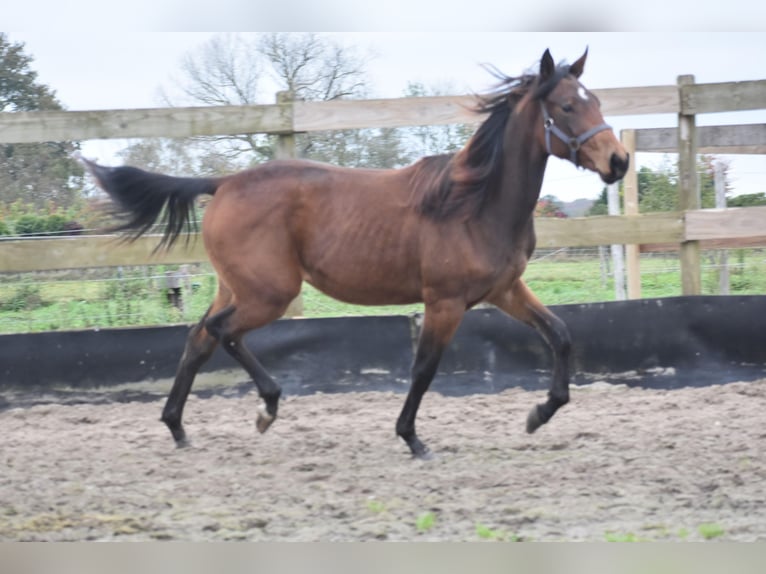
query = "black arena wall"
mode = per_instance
[{"x": 662, "y": 343}]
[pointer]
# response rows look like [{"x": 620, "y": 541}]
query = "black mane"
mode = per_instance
[{"x": 459, "y": 184}]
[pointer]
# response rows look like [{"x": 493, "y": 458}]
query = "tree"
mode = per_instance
[
  {"x": 162, "y": 155},
  {"x": 241, "y": 70},
  {"x": 601, "y": 205},
  {"x": 549, "y": 206},
  {"x": 236, "y": 69},
  {"x": 39, "y": 174},
  {"x": 314, "y": 67},
  {"x": 658, "y": 189},
  {"x": 747, "y": 199}
]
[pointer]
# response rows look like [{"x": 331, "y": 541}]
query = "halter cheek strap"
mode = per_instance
[{"x": 572, "y": 142}]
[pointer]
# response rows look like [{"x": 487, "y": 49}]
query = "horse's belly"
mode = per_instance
[{"x": 367, "y": 285}]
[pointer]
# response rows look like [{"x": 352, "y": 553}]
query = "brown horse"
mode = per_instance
[{"x": 450, "y": 231}]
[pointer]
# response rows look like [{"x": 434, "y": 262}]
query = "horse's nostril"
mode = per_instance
[{"x": 618, "y": 164}]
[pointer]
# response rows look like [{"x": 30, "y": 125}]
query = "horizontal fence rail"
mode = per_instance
[
  {"x": 297, "y": 116},
  {"x": 734, "y": 139},
  {"x": 653, "y": 228},
  {"x": 33, "y": 127}
]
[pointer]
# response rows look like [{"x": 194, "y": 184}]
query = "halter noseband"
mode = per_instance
[{"x": 572, "y": 142}]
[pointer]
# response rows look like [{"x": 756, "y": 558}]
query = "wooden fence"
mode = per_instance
[{"x": 285, "y": 118}]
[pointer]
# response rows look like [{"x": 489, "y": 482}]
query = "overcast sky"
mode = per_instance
[{"x": 97, "y": 69}]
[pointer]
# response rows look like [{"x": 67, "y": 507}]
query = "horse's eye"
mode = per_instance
[{"x": 567, "y": 108}]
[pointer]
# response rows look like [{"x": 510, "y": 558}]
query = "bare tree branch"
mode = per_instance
[{"x": 236, "y": 69}]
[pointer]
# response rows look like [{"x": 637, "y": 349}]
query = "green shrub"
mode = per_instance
[
  {"x": 30, "y": 225},
  {"x": 26, "y": 297},
  {"x": 56, "y": 223}
]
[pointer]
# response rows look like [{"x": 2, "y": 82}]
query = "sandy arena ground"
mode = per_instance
[{"x": 616, "y": 463}]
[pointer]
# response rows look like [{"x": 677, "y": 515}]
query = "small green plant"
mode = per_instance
[
  {"x": 425, "y": 521},
  {"x": 620, "y": 537},
  {"x": 486, "y": 533},
  {"x": 683, "y": 533},
  {"x": 375, "y": 506},
  {"x": 710, "y": 530}
]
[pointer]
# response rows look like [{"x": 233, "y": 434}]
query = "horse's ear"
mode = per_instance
[
  {"x": 578, "y": 67},
  {"x": 547, "y": 66}
]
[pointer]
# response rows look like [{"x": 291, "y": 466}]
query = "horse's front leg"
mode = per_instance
[
  {"x": 440, "y": 321},
  {"x": 520, "y": 303}
]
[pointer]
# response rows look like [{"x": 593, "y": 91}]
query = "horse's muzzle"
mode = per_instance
[{"x": 618, "y": 167}]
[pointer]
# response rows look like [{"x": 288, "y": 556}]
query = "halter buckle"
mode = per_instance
[{"x": 574, "y": 144}]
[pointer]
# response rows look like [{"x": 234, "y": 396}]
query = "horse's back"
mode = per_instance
[{"x": 350, "y": 232}]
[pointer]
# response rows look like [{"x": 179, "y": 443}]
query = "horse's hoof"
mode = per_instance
[
  {"x": 424, "y": 455},
  {"x": 420, "y": 451},
  {"x": 533, "y": 420},
  {"x": 264, "y": 420},
  {"x": 179, "y": 436}
]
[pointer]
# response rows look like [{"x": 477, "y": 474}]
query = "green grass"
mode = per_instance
[
  {"x": 563, "y": 281},
  {"x": 75, "y": 304},
  {"x": 486, "y": 533},
  {"x": 44, "y": 303},
  {"x": 425, "y": 521},
  {"x": 707, "y": 531},
  {"x": 710, "y": 530},
  {"x": 621, "y": 537},
  {"x": 375, "y": 506}
]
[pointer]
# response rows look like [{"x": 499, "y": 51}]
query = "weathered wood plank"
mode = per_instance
[
  {"x": 32, "y": 127},
  {"x": 734, "y": 139},
  {"x": 737, "y": 243},
  {"x": 286, "y": 149},
  {"x": 606, "y": 230},
  {"x": 654, "y": 228},
  {"x": 688, "y": 194},
  {"x": 630, "y": 196},
  {"x": 639, "y": 100},
  {"x": 91, "y": 251},
  {"x": 723, "y": 97},
  {"x": 732, "y": 222},
  {"x": 107, "y": 251},
  {"x": 384, "y": 113},
  {"x": 438, "y": 110}
]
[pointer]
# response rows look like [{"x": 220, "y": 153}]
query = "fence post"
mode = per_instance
[
  {"x": 719, "y": 180},
  {"x": 689, "y": 195},
  {"x": 285, "y": 142},
  {"x": 618, "y": 255},
  {"x": 630, "y": 193},
  {"x": 285, "y": 149}
]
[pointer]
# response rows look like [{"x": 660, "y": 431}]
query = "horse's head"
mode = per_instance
[{"x": 572, "y": 126}]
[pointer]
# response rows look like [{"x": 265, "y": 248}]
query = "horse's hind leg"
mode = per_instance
[
  {"x": 199, "y": 347},
  {"x": 519, "y": 302},
  {"x": 229, "y": 327}
]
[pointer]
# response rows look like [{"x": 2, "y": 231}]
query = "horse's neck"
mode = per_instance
[{"x": 522, "y": 176}]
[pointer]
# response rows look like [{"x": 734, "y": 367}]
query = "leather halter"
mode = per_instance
[{"x": 572, "y": 142}]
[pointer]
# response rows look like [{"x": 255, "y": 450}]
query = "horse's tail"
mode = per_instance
[{"x": 140, "y": 198}]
